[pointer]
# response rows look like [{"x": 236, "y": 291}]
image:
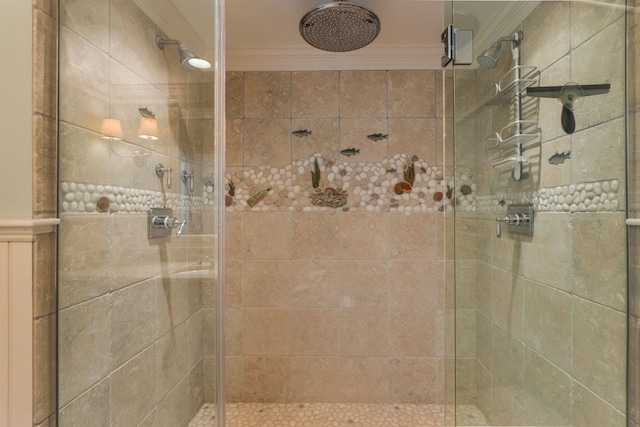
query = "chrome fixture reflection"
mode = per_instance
[
  {"x": 188, "y": 59},
  {"x": 187, "y": 178},
  {"x": 339, "y": 27},
  {"x": 161, "y": 170},
  {"x": 489, "y": 58}
]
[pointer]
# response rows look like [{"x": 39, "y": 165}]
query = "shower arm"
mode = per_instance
[{"x": 161, "y": 42}]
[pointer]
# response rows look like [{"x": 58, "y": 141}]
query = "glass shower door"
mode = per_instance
[
  {"x": 139, "y": 158},
  {"x": 540, "y": 319}
]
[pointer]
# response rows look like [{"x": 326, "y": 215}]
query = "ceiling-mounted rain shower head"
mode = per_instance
[
  {"x": 188, "y": 59},
  {"x": 489, "y": 58},
  {"x": 339, "y": 27}
]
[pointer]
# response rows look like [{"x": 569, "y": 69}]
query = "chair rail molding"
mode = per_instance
[{"x": 16, "y": 317}]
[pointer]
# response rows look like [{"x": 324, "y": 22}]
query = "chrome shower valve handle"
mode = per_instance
[
  {"x": 519, "y": 218},
  {"x": 161, "y": 222}
]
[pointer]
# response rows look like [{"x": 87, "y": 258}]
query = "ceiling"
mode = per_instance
[{"x": 263, "y": 34}]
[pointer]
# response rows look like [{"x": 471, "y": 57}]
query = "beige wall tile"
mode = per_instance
[
  {"x": 598, "y": 344},
  {"x": 508, "y": 362},
  {"x": 44, "y": 368},
  {"x": 173, "y": 304},
  {"x": 505, "y": 410},
  {"x": 601, "y": 59},
  {"x": 416, "y": 239},
  {"x": 588, "y": 19},
  {"x": 171, "y": 360},
  {"x": 233, "y": 322},
  {"x": 267, "y": 235},
  {"x": 466, "y": 390},
  {"x": 84, "y": 79},
  {"x": 45, "y": 167},
  {"x": 605, "y": 160},
  {"x": 88, "y": 21},
  {"x": 133, "y": 321},
  {"x": 133, "y": 41},
  {"x": 368, "y": 235},
  {"x": 234, "y": 142},
  {"x": 589, "y": 410},
  {"x": 364, "y": 332},
  {"x": 363, "y": 94},
  {"x": 413, "y": 380},
  {"x": 508, "y": 302},
  {"x": 414, "y": 136},
  {"x": 364, "y": 379},
  {"x": 414, "y": 284},
  {"x": 315, "y": 379},
  {"x": 315, "y": 332},
  {"x": 233, "y": 234},
  {"x": 415, "y": 333},
  {"x": 45, "y": 62},
  {"x": 599, "y": 264},
  {"x": 353, "y": 134},
  {"x": 324, "y": 139},
  {"x": 196, "y": 389},
  {"x": 89, "y": 409},
  {"x": 316, "y": 283},
  {"x": 315, "y": 94},
  {"x": 267, "y": 95},
  {"x": 316, "y": 235},
  {"x": 233, "y": 284},
  {"x": 547, "y": 398},
  {"x": 195, "y": 340},
  {"x": 82, "y": 155},
  {"x": 267, "y": 142},
  {"x": 266, "y": 284},
  {"x": 174, "y": 410},
  {"x": 412, "y": 93},
  {"x": 85, "y": 331},
  {"x": 234, "y": 380},
  {"x": 365, "y": 284},
  {"x": 266, "y": 332},
  {"x": 267, "y": 379},
  {"x": 45, "y": 290},
  {"x": 548, "y": 325},
  {"x": 542, "y": 47},
  {"x": 484, "y": 341},
  {"x": 234, "y": 94},
  {"x": 133, "y": 389},
  {"x": 465, "y": 333}
]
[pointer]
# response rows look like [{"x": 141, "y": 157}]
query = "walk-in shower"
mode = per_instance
[{"x": 338, "y": 261}]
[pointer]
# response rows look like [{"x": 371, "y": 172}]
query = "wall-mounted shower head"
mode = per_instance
[
  {"x": 339, "y": 27},
  {"x": 489, "y": 58},
  {"x": 188, "y": 59}
]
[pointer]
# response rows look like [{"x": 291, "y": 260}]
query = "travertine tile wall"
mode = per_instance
[
  {"x": 540, "y": 326},
  {"x": 131, "y": 331},
  {"x": 45, "y": 30},
  {"x": 633, "y": 379},
  {"x": 336, "y": 305}
]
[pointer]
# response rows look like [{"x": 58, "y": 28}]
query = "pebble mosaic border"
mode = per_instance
[
  {"x": 86, "y": 198},
  {"x": 366, "y": 187},
  {"x": 369, "y": 186}
]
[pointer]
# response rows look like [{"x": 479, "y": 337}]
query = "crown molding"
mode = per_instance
[
  {"x": 507, "y": 20},
  {"x": 302, "y": 59}
]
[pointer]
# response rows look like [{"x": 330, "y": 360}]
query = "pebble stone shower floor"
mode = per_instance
[{"x": 335, "y": 415}]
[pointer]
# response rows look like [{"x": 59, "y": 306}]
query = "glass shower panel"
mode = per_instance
[
  {"x": 540, "y": 319},
  {"x": 138, "y": 245}
]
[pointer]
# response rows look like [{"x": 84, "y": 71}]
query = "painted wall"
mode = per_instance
[{"x": 15, "y": 110}]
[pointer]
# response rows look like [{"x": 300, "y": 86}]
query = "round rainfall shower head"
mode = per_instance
[{"x": 339, "y": 27}]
